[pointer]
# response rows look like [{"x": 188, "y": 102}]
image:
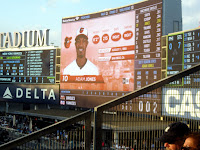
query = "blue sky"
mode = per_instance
[{"x": 22, "y": 15}]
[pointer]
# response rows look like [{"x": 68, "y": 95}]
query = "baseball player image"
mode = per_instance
[{"x": 81, "y": 65}]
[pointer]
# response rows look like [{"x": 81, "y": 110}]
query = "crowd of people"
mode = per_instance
[
  {"x": 177, "y": 136},
  {"x": 14, "y": 126},
  {"x": 20, "y": 123}
]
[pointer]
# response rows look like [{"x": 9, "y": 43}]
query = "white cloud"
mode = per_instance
[
  {"x": 52, "y": 3},
  {"x": 43, "y": 9},
  {"x": 72, "y": 1},
  {"x": 189, "y": 3},
  {"x": 191, "y": 14},
  {"x": 54, "y": 34},
  {"x": 191, "y": 22},
  {"x": 32, "y": 27},
  {"x": 76, "y": 1},
  {"x": 55, "y": 38},
  {"x": 188, "y": 19}
]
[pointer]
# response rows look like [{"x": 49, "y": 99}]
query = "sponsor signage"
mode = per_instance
[
  {"x": 24, "y": 39},
  {"x": 181, "y": 102},
  {"x": 30, "y": 93}
]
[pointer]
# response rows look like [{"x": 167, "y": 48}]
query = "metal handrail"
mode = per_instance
[
  {"x": 98, "y": 110},
  {"x": 97, "y": 113},
  {"x": 47, "y": 130}
]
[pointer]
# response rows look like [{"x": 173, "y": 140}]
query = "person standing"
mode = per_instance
[
  {"x": 174, "y": 136},
  {"x": 192, "y": 142}
]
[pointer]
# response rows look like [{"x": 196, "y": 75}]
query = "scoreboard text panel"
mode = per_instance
[{"x": 34, "y": 66}]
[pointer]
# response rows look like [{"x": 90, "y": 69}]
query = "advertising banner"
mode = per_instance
[
  {"x": 181, "y": 102},
  {"x": 24, "y": 93}
]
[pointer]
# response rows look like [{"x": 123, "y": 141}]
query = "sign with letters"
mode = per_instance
[
  {"x": 30, "y": 93},
  {"x": 181, "y": 102},
  {"x": 24, "y": 39}
]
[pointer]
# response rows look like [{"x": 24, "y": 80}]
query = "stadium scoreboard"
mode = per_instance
[
  {"x": 183, "y": 51},
  {"x": 125, "y": 46},
  {"x": 28, "y": 66},
  {"x": 175, "y": 54},
  {"x": 148, "y": 45},
  {"x": 191, "y": 48}
]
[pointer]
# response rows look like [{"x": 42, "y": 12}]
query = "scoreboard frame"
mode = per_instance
[
  {"x": 144, "y": 67},
  {"x": 190, "y": 45},
  {"x": 21, "y": 69}
]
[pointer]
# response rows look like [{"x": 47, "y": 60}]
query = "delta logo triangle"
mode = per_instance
[{"x": 7, "y": 94}]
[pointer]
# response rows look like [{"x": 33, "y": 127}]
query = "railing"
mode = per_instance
[
  {"x": 72, "y": 133},
  {"x": 135, "y": 120}
]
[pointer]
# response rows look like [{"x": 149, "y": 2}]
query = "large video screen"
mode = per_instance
[{"x": 108, "y": 54}]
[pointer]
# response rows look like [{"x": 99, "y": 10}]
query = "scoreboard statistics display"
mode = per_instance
[
  {"x": 28, "y": 66},
  {"x": 147, "y": 45},
  {"x": 183, "y": 52},
  {"x": 175, "y": 54},
  {"x": 124, "y": 45},
  {"x": 191, "y": 48}
]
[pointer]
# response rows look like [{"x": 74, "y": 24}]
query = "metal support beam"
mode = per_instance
[
  {"x": 97, "y": 133},
  {"x": 88, "y": 132}
]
